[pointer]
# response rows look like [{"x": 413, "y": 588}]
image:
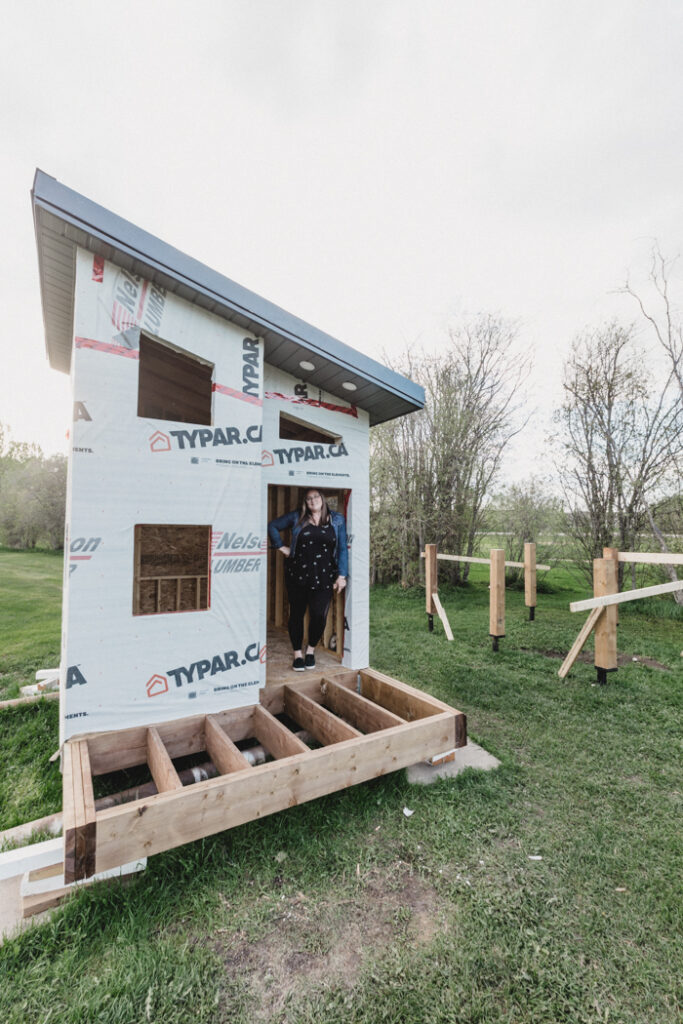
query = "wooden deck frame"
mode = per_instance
[{"x": 368, "y": 724}]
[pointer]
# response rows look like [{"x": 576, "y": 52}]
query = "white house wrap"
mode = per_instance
[{"x": 155, "y": 626}]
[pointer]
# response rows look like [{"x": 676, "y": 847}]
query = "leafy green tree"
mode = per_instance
[{"x": 32, "y": 495}]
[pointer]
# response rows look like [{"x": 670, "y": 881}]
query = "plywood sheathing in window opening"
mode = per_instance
[
  {"x": 173, "y": 385},
  {"x": 294, "y": 429},
  {"x": 171, "y": 569}
]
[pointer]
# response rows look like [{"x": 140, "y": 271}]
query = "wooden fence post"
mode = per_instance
[
  {"x": 613, "y": 553},
  {"x": 431, "y": 583},
  {"x": 605, "y": 582},
  {"x": 530, "y": 579},
  {"x": 497, "y": 596}
]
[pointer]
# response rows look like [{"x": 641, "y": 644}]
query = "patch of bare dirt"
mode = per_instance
[
  {"x": 622, "y": 659},
  {"x": 309, "y": 944}
]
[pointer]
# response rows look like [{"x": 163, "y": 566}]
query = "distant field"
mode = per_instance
[
  {"x": 30, "y": 616},
  {"x": 547, "y": 891}
]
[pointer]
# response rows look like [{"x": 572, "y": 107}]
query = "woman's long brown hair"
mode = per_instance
[{"x": 324, "y": 512}]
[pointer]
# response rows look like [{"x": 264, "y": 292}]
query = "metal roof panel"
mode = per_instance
[{"x": 64, "y": 218}]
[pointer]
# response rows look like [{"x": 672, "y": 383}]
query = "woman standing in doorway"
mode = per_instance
[{"x": 316, "y": 567}]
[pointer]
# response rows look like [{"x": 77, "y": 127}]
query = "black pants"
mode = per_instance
[{"x": 318, "y": 603}]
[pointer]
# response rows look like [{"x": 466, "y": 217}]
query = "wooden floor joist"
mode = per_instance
[
  {"x": 386, "y": 726},
  {"x": 222, "y": 751},
  {"x": 358, "y": 710},
  {"x": 321, "y": 723}
]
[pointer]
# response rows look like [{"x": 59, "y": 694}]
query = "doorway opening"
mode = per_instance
[{"x": 281, "y": 499}]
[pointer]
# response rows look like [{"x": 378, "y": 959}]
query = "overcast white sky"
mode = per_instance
[{"x": 377, "y": 167}]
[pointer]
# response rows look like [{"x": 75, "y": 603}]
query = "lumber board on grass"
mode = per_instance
[
  {"x": 606, "y": 600},
  {"x": 26, "y": 858},
  {"x": 221, "y": 749},
  {"x": 172, "y": 819},
  {"x": 442, "y": 615},
  {"x": 316, "y": 719},
  {"x": 160, "y": 764},
  {"x": 581, "y": 639},
  {"x": 361, "y": 712},
  {"x": 17, "y": 701},
  {"x": 276, "y": 737},
  {"x": 651, "y": 558},
  {"x": 48, "y": 871},
  {"x": 78, "y": 811}
]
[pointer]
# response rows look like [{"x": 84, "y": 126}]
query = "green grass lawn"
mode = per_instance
[{"x": 345, "y": 909}]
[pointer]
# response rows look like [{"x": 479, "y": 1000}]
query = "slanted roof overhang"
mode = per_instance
[{"x": 64, "y": 220}]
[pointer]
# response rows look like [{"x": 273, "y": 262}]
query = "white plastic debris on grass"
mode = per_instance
[{"x": 407, "y": 812}]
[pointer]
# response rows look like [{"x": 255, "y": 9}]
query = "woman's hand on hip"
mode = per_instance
[
  {"x": 285, "y": 550},
  {"x": 339, "y": 584}
]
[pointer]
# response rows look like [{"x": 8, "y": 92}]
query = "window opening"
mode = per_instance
[
  {"x": 172, "y": 567},
  {"x": 173, "y": 385},
  {"x": 294, "y": 429}
]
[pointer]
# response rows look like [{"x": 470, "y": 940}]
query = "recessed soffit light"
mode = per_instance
[
  {"x": 305, "y": 364},
  {"x": 349, "y": 385}
]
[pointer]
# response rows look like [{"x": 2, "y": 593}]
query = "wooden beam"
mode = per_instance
[
  {"x": 280, "y": 566},
  {"x": 125, "y": 748},
  {"x": 79, "y": 812},
  {"x": 170, "y": 819},
  {"x": 613, "y": 553},
  {"x": 607, "y": 600},
  {"x": 605, "y": 585},
  {"x": 485, "y": 561},
  {"x": 221, "y": 749},
  {"x": 530, "y": 574},
  {"x": 18, "y": 701},
  {"x": 651, "y": 558},
  {"x": 276, "y": 737},
  {"x": 581, "y": 639},
  {"x": 442, "y": 615},
  {"x": 405, "y": 701},
  {"x": 320, "y": 722},
  {"x": 431, "y": 577},
  {"x": 339, "y": 604},
  {"x": 497, "y": 593},
  {"x": 361, "y": 712},
  {"x": 160, "y": 764}
]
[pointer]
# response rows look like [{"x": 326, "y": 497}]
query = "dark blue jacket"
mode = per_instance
[{"x": 289, "y": 521}]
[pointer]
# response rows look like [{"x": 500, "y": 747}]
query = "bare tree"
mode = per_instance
[
  {"x": 665, "y": 321},
  {"x": 528, "y": 510},
  {"x": 432, "y": 472},
  {"x": 619, "y": 434},
  {"x": 663, "y": 317}
]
